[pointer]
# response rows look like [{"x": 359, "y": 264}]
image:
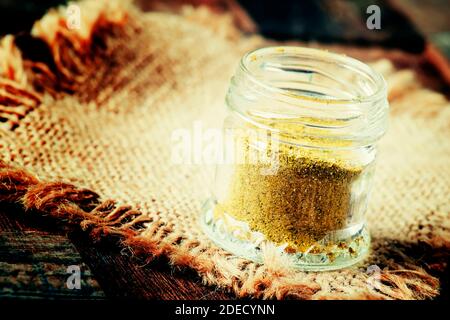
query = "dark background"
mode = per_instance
[{"x": 405, "y": 24}]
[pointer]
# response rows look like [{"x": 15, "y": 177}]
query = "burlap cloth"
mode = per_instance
[{"x": 92, "y": 119}]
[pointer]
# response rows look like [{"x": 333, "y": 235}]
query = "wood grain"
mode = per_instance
[
  {"x": 33, "y": 264},
  {"x": 35, "y": 254}
]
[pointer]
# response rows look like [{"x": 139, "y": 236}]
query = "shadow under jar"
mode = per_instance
[{"x": 298, "y": 161}]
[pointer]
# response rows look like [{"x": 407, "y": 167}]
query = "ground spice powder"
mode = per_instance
[{"x": 308, "y": 197}]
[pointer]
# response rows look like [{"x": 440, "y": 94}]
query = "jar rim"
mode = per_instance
[
  {"x": 376, "y": 77},
  {"x": 305, "y": 92}
]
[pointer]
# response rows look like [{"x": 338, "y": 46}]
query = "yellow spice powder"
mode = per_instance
[{"x": 307, "y": 197}]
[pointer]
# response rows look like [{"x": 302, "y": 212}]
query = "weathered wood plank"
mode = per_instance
[
  {"x": 121, "y": 275},
  {"x": 33, "y": 264},
  {"x": 29, "y": 256}
]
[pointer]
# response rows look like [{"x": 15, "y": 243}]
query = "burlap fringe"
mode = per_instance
[{"x": 80, "y": 207}]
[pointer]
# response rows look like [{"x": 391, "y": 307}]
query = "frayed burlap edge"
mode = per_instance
[{"x": 78, "y": 207}]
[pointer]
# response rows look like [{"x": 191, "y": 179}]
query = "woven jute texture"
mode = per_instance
[{"x": 87, "y": 139}]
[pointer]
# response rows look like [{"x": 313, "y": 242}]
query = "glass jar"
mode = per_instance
[{"x": 299, "y": 153}]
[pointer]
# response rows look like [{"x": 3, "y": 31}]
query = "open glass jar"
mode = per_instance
[{"x": 301, "y": 130}]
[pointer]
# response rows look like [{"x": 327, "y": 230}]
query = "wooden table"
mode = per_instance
[{"x": 34, "y": 259}]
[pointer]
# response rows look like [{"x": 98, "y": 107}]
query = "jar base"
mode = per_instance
[{"x": 342, "y": 249}]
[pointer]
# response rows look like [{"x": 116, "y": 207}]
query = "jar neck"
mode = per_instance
[{"x": 311, "y": 96}]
